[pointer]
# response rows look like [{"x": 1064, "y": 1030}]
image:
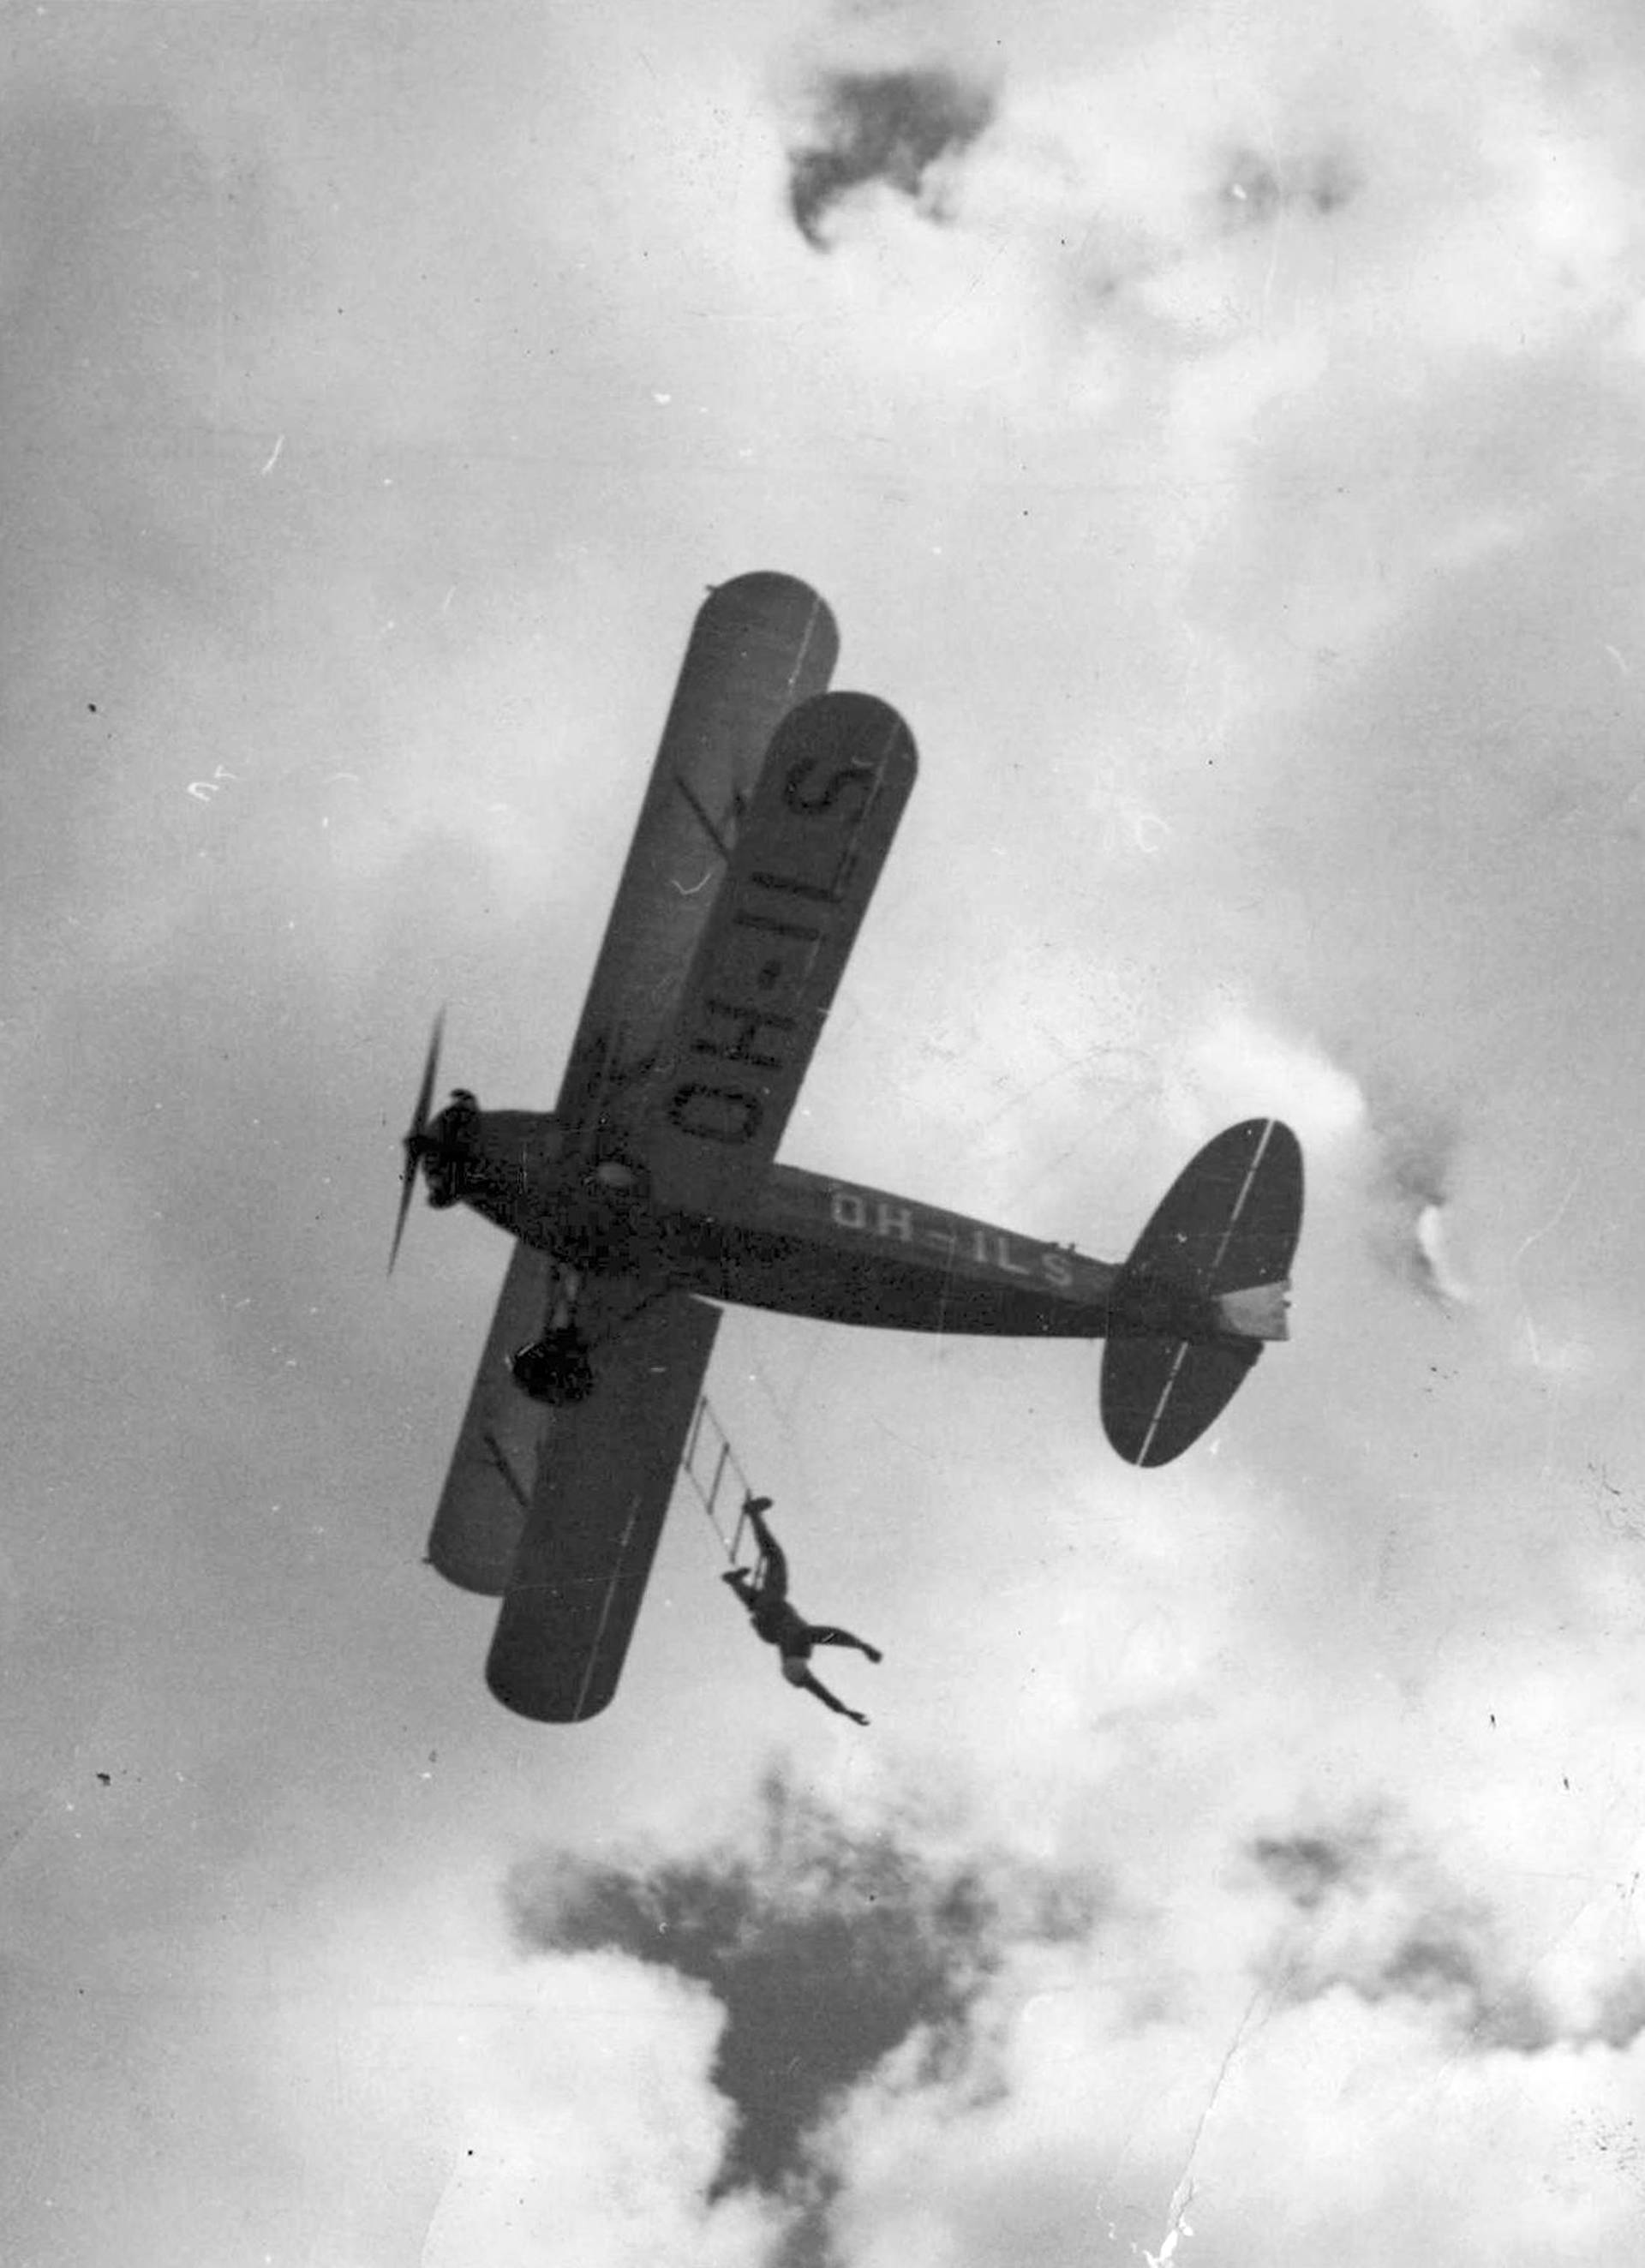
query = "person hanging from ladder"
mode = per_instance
[
  {"x": 766, "y": 1596},
  {"x": 781, "y": 1624}
]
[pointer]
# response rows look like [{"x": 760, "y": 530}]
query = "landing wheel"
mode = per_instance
[{"x": 554, "y": 1369}]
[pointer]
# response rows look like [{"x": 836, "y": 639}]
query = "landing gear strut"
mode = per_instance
[{"x": 556, "y": 1369}]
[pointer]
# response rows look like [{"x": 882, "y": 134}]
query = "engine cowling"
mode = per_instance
[{"x": 447, "y": 1147}]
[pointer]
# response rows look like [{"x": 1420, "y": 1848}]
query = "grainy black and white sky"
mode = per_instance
[{"x": 1218, "y": 430}]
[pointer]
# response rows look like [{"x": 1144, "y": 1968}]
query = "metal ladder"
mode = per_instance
[{"x": 711, "y": 1466}]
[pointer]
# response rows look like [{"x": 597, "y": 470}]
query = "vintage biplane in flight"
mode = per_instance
[{"x": 651, "y": 1192}]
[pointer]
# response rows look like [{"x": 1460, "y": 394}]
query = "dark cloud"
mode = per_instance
[
  {"x": 1305, "y": 1866},
  {"x": 1381, "y": 1925},
  {"x": 828, "y": 1952},
  {"x": 892, "y": 127},
  {"x": 1450, "y": 1961},
  {"x": 1621, "y": 2017},
  {"x": 1418, "y": 1146}
]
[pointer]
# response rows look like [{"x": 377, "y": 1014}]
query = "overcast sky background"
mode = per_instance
[{"x": 1219, "y": 432}]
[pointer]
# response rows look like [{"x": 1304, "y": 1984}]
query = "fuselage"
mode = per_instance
[
  {"x": 814, "y": 1244},
  {"x": 803, "y": 1244}
]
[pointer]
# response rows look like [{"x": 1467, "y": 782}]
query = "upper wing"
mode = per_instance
[
  {"x": 803, "y": 867},
  {"x": 760, "y": 644},
  {"x": 596, "y": 1513},
  {"x": 488, "y": 1490}
]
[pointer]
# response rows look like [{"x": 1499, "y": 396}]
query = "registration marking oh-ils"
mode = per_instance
[
  {"x": 755, "y": 1012},
  {"x": 889, "y": 1218}
]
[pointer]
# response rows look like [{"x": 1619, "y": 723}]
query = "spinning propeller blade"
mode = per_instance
[{"x": 415, "y": 1141}]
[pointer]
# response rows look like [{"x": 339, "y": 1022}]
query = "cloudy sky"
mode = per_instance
[{"x": 1219, "y": 431}]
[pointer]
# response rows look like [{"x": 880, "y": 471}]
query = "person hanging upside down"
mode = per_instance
[{"x": 780, "y": 1624}]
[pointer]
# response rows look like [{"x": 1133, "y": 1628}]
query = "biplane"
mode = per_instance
[{"x": 652, "y": 1194}]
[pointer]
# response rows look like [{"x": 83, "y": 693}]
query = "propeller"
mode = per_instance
[{"x": 415, "y": 1142}]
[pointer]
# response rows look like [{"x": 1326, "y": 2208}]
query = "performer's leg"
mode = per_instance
[
  {"x": 829, "y": 1634},
  {"x": 798, "y": 1673}
]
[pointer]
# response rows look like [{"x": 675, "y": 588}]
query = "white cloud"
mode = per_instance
[
  {"x": 1434, "y": 1244},
  {"x": 590, "y": 2126},
  {"x": 1236, "y": 1068},
  {"x": 531, "y": 2108}
]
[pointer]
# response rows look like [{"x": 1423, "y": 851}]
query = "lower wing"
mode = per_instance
[
  {"x": 598, "y": 1505},
  {"x": 487, "y": 1492}
]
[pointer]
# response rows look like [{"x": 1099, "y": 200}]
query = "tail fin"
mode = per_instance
[{"x": 1187, "y": 1322}]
